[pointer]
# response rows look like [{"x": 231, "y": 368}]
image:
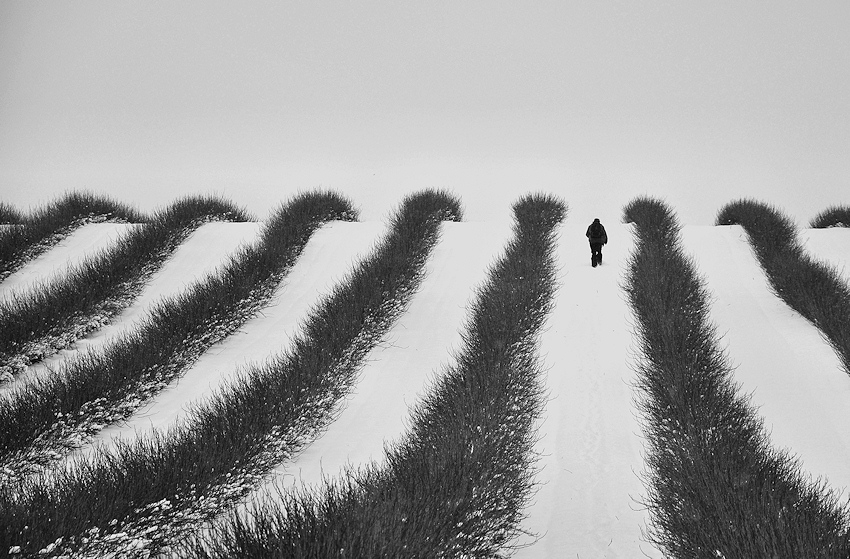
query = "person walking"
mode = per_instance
[{"x": 598, "y": 237}]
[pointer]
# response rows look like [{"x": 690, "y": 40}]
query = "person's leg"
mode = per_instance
[{"x": 595, "y": 255}]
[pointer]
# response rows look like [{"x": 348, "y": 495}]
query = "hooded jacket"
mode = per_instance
[{"x": 596, "y": 233}]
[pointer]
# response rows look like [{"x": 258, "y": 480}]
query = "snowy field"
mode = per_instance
[{"x": 588, "y": 502}]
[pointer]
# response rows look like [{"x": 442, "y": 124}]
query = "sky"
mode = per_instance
[{"x": 597, "y": 101}]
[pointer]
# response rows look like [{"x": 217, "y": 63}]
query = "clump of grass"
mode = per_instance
[
  {"x": 812, "y": 288},
  {"x": 716, "y": 487},
  {"x": 49, "y": 224},
  {"x": 227, "y": 444},
  {"x": 53, "y": 315},
  {"x": 41, "y": 419},
  {"x": 833, "y": 216},
  {"x": 457, "y": 484},
  {"x": 10, "y": 215}
]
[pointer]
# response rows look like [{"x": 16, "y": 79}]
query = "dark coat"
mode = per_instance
[{"x": 601, "y": 237}]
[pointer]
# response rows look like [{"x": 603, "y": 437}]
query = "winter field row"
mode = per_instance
[{"x": 195, "y": 383}]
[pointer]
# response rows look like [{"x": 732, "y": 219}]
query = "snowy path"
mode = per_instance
[
  {"x": 204, "y": 251},
  {"x": 831, "y": 246},
  {"x": 207, "y": 248},
  {"x": 412, "y": 353},
  {"x": 587, "y": 505},
  {"x": 794, "y": 376},
  {"x": 328, "y": 256},
  {"x": 83, "y": 242},
  {"x": 590, "y": 438}
]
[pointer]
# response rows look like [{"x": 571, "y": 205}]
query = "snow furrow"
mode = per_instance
[
  {"x": 204, "y": 251},
  {"x": 590, "y": 446},
  {"x": 795, "y": 377},
  {"x": 832, "y": 246},
  {"x": 328, "y": 256},
  {"x": 84, "y": 242},
  {"x": 422, "y": 340},
  {"x": 588, "y": 501}
]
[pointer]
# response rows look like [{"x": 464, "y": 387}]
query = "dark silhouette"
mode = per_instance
[{"x": 597, "y": 236}]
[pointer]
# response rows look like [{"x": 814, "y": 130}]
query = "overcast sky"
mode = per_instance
[{"x": 594, "y": 100}]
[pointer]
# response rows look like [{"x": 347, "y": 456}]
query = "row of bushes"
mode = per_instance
[
  {"x": 53, "y": 315},
  {"x": 48, "y": 224},
  {"x": 715, "y": 486},
  {"x": 264, "y": 417},
  {"x": 812, "y": 288},
  {"x": 833, "y": 216},
  {"x": 457, "y": 484},
  {"x": 10, "y": 215},
  {"x": 43, "y": 416}
]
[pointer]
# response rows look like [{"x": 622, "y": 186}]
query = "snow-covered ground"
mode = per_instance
[
  {"x": 412, "y": 352},
  {"x": 794, "y": 376},
  {"x": 207, "y": 248},
  {"x": 832, "y": 246},
  {"x": 327, "y": 257},
  {"x": 83, "y": 242},
  {"x": 588, "y": 500},
  {"x": 588, "y": 503}
]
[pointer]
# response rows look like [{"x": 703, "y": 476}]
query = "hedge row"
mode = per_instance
[
  {"x": 41, "y": 418},
  {"x": 812, "y": 288},
  {"x": 147, "y": 492},
  {"x": 53, "y": 315},
  {"x": 716, "y": 487},
  {"x": 833, "y": 216},
  {"x": 457, "y": 484},
  {"x": 48, "y": 224},
  {"x": 10, "y": 215}
]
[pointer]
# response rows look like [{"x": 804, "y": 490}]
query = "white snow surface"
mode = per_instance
[
  {"x": 325, "y": 260},
  {"x": 794, "y": 376},
  {"x": 206, "y": 249},
  {"x": 83, "y": 242},
  {"x": 416, "y": 349},
  {"x": 587, "y": 503},
  {"x": 831, "y": 246}
]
